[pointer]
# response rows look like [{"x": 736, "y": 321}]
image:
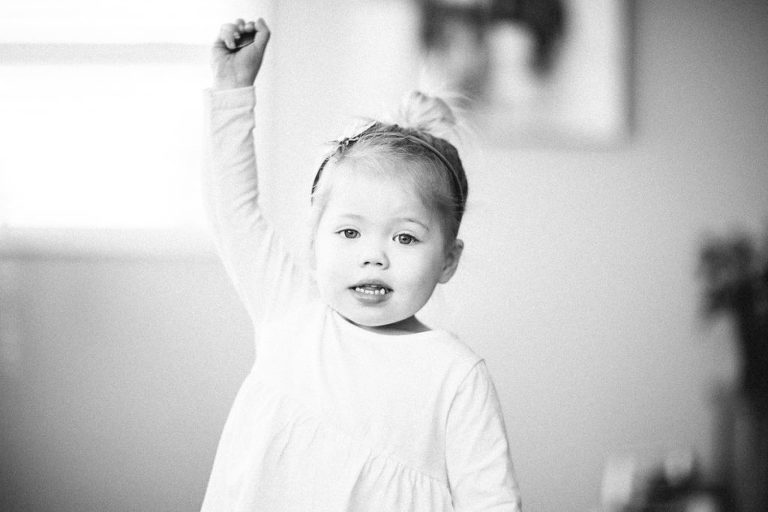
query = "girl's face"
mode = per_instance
[{"x": 379, "y": 251}]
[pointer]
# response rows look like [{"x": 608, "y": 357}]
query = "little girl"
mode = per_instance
[{"x": 352, "y": 404}]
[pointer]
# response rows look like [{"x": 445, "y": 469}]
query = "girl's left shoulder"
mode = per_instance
[{"x": 454, "y": 350}]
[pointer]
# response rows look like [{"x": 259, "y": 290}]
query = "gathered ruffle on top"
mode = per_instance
[{"x": 334, "y": 417}]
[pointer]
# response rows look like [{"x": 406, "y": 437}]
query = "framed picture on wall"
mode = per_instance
[{"x": 538, "y": 72}]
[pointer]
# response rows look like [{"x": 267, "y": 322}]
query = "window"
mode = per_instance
[{"x": 100, "y": 112}]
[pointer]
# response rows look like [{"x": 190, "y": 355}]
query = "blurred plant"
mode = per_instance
[{"x": 735, "y": 273}]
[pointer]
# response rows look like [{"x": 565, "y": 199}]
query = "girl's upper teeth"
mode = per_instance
[{"x": 371, "y": 289}]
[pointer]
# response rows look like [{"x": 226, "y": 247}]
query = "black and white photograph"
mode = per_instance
[{"x": 384, "y": 256}]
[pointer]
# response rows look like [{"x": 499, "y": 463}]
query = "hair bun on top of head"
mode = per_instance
[{"x": 426, "y": 113}]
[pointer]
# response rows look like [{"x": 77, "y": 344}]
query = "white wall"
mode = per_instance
[{"x": 578, "y": 285}]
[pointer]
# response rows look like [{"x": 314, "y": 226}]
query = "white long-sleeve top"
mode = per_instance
[{"x": 333, "y": 417}]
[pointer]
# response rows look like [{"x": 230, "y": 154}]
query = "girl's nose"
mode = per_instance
[{"x": 374, "y": 257}]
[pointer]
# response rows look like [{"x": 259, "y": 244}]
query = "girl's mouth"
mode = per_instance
[{"x": 371, "y": 289}]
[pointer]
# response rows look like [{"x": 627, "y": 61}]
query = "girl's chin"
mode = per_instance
[
  {"x": 367, "y": 322},
  {"x": 406, "y": 325}
]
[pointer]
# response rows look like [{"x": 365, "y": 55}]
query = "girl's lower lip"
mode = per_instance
[{"x": 369, "y": 298}]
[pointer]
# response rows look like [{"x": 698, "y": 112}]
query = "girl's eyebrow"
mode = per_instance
[
  {"x": 415, "y": 221},
  {"x": 351, "y": 216}
]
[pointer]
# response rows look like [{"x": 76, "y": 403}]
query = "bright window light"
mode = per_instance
[
  {"x": 100, "y": 145},
  {"x": 100, "y": 111},
  {"x": 120, "y": 21}
]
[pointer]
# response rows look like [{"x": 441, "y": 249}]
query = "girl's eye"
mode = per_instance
[
  {"x": 349, "y": 233},
  {"x": 405, "y": 239}
]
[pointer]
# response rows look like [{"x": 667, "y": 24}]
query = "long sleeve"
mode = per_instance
[
  {"x": 262, "y": 271},
  {"x": 480, "y": 472}
]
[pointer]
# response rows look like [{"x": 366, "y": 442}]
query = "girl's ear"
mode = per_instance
[{"x": 451, "y": 261}]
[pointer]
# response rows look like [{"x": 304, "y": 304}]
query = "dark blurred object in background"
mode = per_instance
[
  {"x": 461, "y": 29},
  {"x": 668, "y": 482},
  {"x": 544, "y": 19},
  {"x": 678, "y": 486},
  {"x": 735, "y": 274}
]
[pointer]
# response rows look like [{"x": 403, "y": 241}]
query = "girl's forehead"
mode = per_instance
[
  {"x": 356, "y": 188},
  {"x": 387, "y": 177}
]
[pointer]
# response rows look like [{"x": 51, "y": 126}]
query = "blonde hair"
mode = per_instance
[{"x": 419, "y": 136}]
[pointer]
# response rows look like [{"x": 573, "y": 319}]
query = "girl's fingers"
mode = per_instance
[
  {"x": 224, "y": 31},
  {"x": 231, "y": 33},
  {"x": 228, "y": 34},
  {"x": 262, "y": 34}
]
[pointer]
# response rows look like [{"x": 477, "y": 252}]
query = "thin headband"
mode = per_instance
[{"x": 345, "y": 143}]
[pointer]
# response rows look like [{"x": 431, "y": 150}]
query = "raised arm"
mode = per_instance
[{"x": 256, "y": 261}]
